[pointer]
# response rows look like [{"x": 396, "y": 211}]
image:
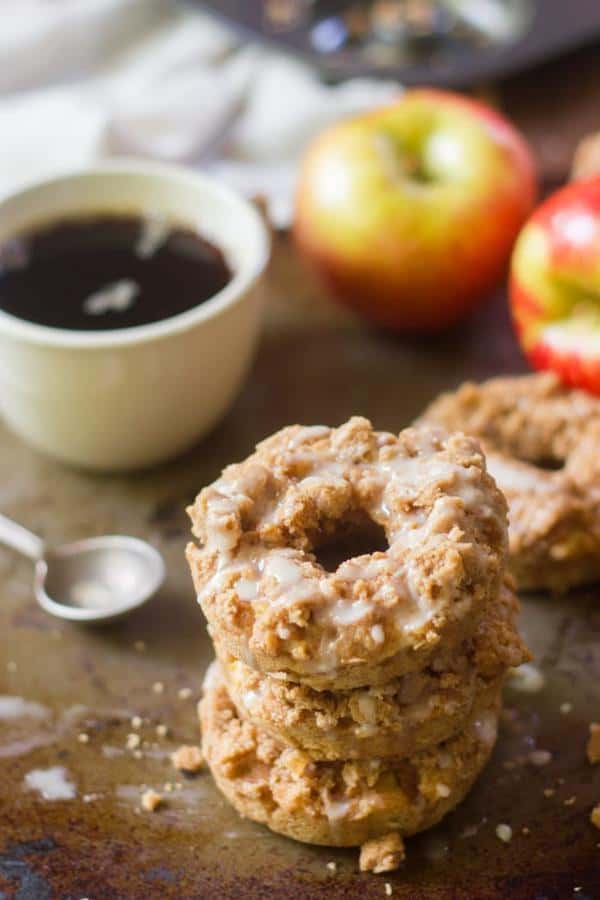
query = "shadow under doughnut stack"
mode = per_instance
[{"x": 354, "y": 586}]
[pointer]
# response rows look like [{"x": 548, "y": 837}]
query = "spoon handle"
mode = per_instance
[{"x": 17, "y": 537}]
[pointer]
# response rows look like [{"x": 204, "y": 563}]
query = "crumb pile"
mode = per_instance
[{"x": 354, "y": 586}]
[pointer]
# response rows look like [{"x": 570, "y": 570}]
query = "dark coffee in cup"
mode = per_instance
[{"x": 108, "y": 271}]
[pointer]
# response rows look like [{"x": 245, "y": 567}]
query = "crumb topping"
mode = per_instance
[
  {"x": 533, "y": 418},
  {"x": 540, "y": 439}
]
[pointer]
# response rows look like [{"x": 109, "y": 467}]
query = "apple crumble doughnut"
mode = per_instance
[
  {"x": 542, "y": 445},
  {"x": 340, "y": 803},
  {"x": 263, "y": 525},
  {"x": 410, "y": 712}
]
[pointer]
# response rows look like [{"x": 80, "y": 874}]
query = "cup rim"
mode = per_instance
[{"x": 241, "y": 282}]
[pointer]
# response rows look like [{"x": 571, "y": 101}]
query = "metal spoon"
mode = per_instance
[{"x": 93, "y": 580}]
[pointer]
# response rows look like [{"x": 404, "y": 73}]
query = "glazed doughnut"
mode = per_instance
[
  {"x": 270, "y": 602},
  {"x": 336, "y": 803},
  {"x": 397, "y": 719},
  {"x": 530, "y": 425}
]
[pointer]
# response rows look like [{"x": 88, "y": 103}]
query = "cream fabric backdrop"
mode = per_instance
[{"x": 82, "y": 79}]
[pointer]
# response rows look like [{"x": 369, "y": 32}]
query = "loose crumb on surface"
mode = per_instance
[
  {"x": 527, "y": 678},
  {"x": 504, "y": 833},
  {"x": 151, "y": 800},
  {"x": 540, "y": 757},
  {"x": 136, "y": 722},
  {"x": 549, "y": 792},
  {"x": 133, "y": 741},
  {"x": 184, "y": 693},
  {"x": 332, "y": 866},
  {"x": 595, "y": 816},
  {"x": 158, "y": 687},
  {"x": 188, "y": 758},
  {"x": 388, "y": 889},
  {"x": 593, "y": 744},
  {"x": 566, "y": 708},
  {"x": 83, "y": 738},
  {"x": 137, "y": 754},
  {"x": 162, "y": 730},
  {"x": 525, "y": 830},
  {"x": 570, "y": 801},
  {"x": 382, "y": 854},
  {"x": 140, "y": 646}
]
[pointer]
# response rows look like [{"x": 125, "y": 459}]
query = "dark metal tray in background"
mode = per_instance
[{"x": 555, "y": 27}]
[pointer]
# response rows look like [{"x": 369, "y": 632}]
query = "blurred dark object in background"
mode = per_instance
[{"x": 449, "y": 43}]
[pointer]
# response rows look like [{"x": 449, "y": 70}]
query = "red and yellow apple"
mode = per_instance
[
  {"x": 555, "y": 285},
  {"x": 409, "y": 213}
]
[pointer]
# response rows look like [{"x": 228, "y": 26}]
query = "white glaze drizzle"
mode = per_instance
[
  {"x": 52, "y": 783},
  {"x": 19, "y": 708},
  {"x": 283, "y": 577}
]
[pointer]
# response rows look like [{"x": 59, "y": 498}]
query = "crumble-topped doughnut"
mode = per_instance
[
  {"x": 262, "y": 526},
  {"x": 397, "y": 719},
  {"x": 339, "y": 803},
  {"x": 542, "y": 442}
]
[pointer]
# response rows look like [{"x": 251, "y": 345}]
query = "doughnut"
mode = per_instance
[
  {"x": 269, "y": 526},
  {"x": 340, "y": 804},
  {"x": 542, "y": 445},
  {"x": 407, "y": 714}
]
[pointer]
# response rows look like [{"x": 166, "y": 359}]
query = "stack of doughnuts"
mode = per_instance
[{"x": 354, "y": 586}]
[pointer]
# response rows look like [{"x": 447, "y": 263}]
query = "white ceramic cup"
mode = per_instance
[{"x": 128, "y": 398}]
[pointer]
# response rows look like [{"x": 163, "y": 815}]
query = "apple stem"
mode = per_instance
[
  {"x": 397, "y": 167},
  {"x": 393, "y": 166}
]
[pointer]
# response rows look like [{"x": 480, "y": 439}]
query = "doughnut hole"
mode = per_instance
[
  {"x": 356, "y": 535},
  {"x": 549, "y": 464}
]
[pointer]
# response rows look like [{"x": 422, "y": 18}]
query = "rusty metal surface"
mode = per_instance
[{"x": 314, "y": 365}]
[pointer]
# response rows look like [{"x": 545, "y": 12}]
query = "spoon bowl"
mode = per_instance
[
  {"x": 91, "y": 581},
  {"x": 99, "y": 579}
]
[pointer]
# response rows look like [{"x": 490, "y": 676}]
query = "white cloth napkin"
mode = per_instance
[{"x": 86, "y": 79}]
